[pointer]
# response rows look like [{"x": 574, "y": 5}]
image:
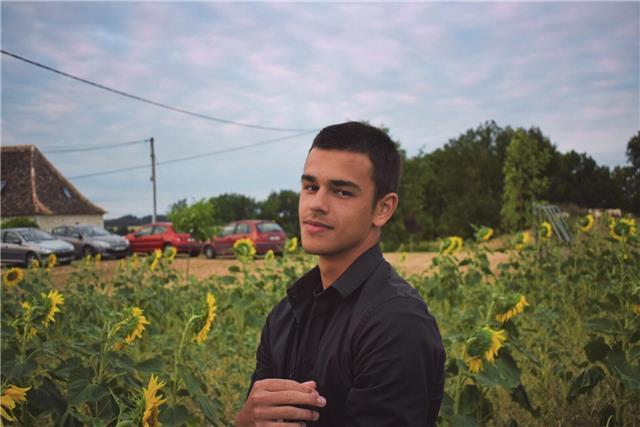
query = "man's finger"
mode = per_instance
[
  {"x": 294, "y": 397},
  {"x": 277, "y": 384},
  {"x": 311, "y": 384}
]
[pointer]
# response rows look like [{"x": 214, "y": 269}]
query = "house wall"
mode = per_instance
[{"x": 47, "y": 222}]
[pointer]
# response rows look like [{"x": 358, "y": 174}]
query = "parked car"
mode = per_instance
[
  {"x": 265, "y": 235},
  {"x": 90, "y": 240},
  {"x": 161, "y": 235},
  {"x": 21, "y": 246}
]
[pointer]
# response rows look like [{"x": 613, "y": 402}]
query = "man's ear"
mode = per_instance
[{"x": 384, "y": 209}]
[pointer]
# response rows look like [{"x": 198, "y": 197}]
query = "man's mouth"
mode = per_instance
[{"x": 316, "y": 226}]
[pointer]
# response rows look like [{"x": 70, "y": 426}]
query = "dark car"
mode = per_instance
[
  {"x": 22, "y": 246},
  {"x": 265, "y": 235},
  {"x": 161, "y": 235},
  {"x": 90, "y": 240}
]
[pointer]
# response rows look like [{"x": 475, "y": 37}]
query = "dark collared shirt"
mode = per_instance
[{"x": 368, "y": 341}]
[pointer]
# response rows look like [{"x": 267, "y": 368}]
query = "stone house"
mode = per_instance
[{"x": 32, "y": 187}]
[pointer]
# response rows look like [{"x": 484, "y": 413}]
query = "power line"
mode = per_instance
[
  {"x": 193, "y": 157},
  {"x": 157, "y": 104},
  {"x": 93, "y": 147}
]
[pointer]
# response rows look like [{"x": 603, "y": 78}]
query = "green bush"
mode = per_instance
[{"x": 19, "y": 221}]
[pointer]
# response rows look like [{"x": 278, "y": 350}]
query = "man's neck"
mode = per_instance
[{"x": 332, "y": 266}]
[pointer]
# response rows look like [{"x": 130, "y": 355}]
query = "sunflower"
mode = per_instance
[
  {"x": 635, "y": 308},
  {"x": 157, "y": 254},
  {"x": 98, "y": 258},
  {"x": 140, "y": 323},
  {"x": 10, "y": 396},
  {"x": 522, "y": 240},
  {"x": 292, "y": 245},
  {"x": 35, "y": 264},
  {"x": 497, "y": 338},
  {"x": 12, "y": 276},
  {"x": 132, "y": 327},
  {"x": 506, "y": 313},
  {"x": 52, "y": 260},
  {"x": 484, "y": 233},
  {"x": 451, "y": 245},
  {"x": 52, "y": 302},
  {"x": 622, "y": 229},
  {"x": 545, "y": 230},
  {"x": 152, "y": 401},
  {"x": 170, "y": 253},
  {"x": 586, "y": 223},
  {"x": 475, "y": 347},
  {"x": 269, "y": 256},
  {"x": 134, "y": 261},
  {"x": 483, "y": 344},
  {"x": 205, "y": 327},
  {"x": 244, "y": 248},
  {"x": 474, "y": 364}
]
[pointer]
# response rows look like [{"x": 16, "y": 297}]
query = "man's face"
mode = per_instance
[{"x": 335, "y": 207}]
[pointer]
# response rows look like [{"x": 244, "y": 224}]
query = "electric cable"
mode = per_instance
[
  {"x": 93, "y": 147},
  {"x": 155, "y": 103},
  {"x": 192, "y": 157}
]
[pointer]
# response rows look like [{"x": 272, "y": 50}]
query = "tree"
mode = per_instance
[
  {"x": 282, "y": 207},
  {"x": 633, "y": 151},
  {"x": 528, "y": 155},
  {"x": 198, "y": 218},
  {"x": 577, "y": 178},
  {"x": 231, "y": 207}
]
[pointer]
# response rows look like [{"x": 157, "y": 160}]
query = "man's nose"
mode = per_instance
[{"x": 319, "y": 201}]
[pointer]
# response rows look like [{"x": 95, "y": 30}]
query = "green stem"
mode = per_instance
[
  {"x": 23, "y": 346},
  {"x": 177, "y": 358},
  {"x": 458, "y": 392},
  {"x": 103, "y": 353}
]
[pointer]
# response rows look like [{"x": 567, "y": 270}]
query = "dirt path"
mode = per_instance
[{"x": 201, "y": 267}]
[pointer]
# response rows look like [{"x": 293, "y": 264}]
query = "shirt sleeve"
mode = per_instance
[
  {"x": 264, "y": 367},
  {"x": 398, "y": 367}
]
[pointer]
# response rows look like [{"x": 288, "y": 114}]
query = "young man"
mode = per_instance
[{"x": 352, "y": 343}]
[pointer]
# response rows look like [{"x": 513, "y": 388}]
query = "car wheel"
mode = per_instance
[
  {"x": 88, "y": 251},
  {"x": 209, "y": 252},
  {"x": 30, "y": 258}
]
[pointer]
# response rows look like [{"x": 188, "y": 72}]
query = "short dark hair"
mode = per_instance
[{"x": 363, "y": 138}]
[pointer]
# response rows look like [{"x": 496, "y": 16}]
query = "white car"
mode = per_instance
[{"x": 21, "y": 246}]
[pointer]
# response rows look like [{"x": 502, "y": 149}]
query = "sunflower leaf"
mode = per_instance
[
  {"x": 596, "y": 349},
  {"x": 584, "y": 382}
]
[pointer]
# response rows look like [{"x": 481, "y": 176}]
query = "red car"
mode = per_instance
[
  {"x": 265, "y": 235},
  {"x": 161, "y": 235}
]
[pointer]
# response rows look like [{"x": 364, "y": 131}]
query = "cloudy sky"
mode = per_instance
[{"x": 428, "y": 71}]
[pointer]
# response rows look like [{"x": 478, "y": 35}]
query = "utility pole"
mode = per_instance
[{"x": 153, "y": 178}]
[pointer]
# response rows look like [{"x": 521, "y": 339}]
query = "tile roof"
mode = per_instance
[{"x": 31, "y": 185}]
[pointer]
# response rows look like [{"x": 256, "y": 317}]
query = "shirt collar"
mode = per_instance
[
  {"x": 350, "y": 280},
  {"x": 358, "y": 272}
]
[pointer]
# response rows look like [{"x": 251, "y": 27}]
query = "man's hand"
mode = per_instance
[{"x": 272, "y": 401}]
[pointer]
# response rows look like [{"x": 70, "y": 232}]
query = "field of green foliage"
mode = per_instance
[{"x": 551, "y": 337}]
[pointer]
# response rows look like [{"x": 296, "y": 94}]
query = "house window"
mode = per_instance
[{"x": 66, "y": 192}]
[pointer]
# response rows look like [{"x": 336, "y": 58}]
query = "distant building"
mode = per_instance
[{"x": 32, "y": 187}]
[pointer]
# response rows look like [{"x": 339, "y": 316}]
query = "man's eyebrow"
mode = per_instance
[
  {"x": 309, "y": 178},
  {"x": 344, "y": 183}
]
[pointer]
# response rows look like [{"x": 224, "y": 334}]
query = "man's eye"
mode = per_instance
[
  {"x": 344, "y": 193},
  {"x": 310, "y": 187}
]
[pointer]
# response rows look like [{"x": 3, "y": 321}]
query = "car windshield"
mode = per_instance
[
  {"x": 91, "y": 231},
  {"x": 267, "y": 227},
  {"x": 35, "y": 235}
]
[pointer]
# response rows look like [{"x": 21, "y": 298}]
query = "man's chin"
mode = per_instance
[{"x": 315, "y": 249}]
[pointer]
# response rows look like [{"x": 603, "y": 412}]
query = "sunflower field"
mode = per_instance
[{"x": 549, "y": 337}]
